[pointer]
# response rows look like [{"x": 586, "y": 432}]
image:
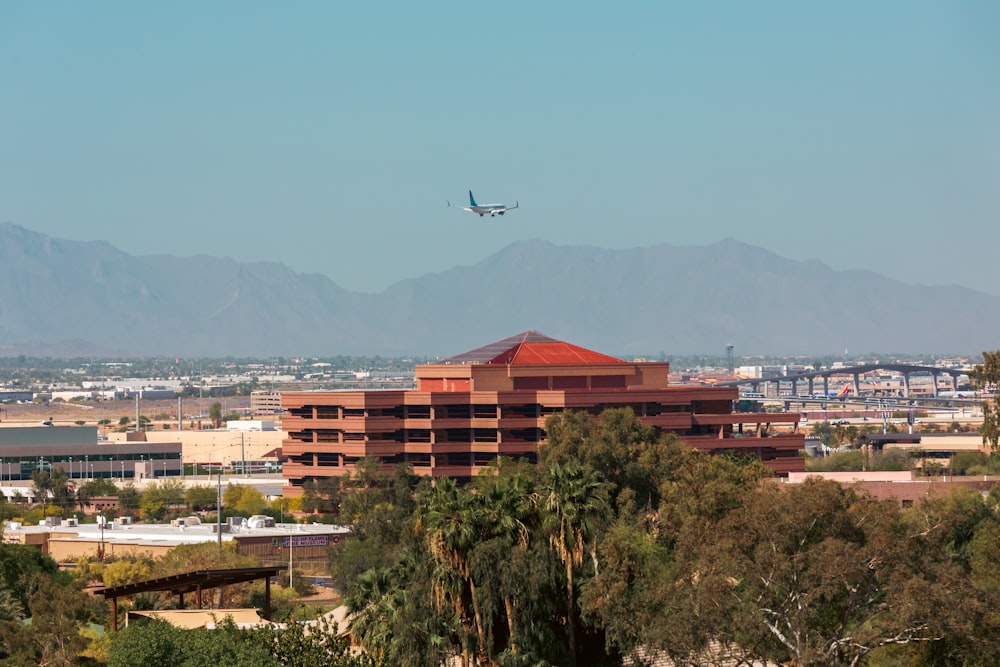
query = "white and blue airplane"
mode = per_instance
[{"x": 486, "y": 209}]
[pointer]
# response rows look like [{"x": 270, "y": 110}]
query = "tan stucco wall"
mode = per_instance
[
  {"x": 216, "y": 446},
  {"x": 72, "y": 549}
]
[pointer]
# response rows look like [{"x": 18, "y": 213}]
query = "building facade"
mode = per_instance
[
  {"x": 493, "y": 401},
  {"x": 265, "y": 404},
  {"x": 79, "y": 452}
]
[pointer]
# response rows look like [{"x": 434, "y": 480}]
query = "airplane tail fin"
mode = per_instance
[
  {"x": 472, "y": 200},
  {"x": 449, "y": 203}
]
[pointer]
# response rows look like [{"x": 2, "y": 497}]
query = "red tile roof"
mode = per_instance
[
  {"x": 555, "y": 352},
  {"x": 532, "y": 348}
]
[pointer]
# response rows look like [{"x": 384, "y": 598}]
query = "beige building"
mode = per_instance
[
  {"x": 271, "y": 543},
  {"x": 265, "y": 404},
  {"x": 218, "y": 446}
]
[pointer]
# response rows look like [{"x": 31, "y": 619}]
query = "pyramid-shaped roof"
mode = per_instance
[{"x": 531, "y": 348}]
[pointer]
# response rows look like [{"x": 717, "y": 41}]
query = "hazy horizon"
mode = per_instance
[{"x": 328, "y": 137}]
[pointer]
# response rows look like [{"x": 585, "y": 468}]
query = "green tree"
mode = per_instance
[
  {"x": 244, "y": 500},
  {"x": 566, "y": 435},
  {"x": 23, "y": 568},
  {"x": 128, "y": 497},
  {"x": 394, "y": 626},
  {"x": 10, "y": 607},
  {"x": 201, "y": 556},
  {"x": 57, "y": 609},
  {"x": 57, "y": 613},
  {"x": 201, "y": 497},
  {"x": 152, "y": 507},
  {"x": 126, "y": 571},
  {"x": 506, "y": 497},
  {"x": 215, "y": 413},
  {"x": 962, "y": 461},
  {"x": 986, "y": 376},
  {"x": 156, "y": 642},
  {"x": 891, "y": 459},
  {"x": 323, "y": 496},
  {"x": 318, "y": 644},
  {"x": 100, "y": 486},
  {"x": 629, "y": 596},
  {"x": 449, "y": 517},
  {"x": 576, "y": 503},
  {"x": 853, "y": 460},
  {"x": 828, "y": 576},
  {"x": 693, "y": 608}
]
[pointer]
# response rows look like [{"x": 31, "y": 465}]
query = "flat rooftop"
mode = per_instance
[{"x": 169, "y": 535}]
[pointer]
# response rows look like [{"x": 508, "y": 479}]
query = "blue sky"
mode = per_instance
[{"x": 328, "y": 135}]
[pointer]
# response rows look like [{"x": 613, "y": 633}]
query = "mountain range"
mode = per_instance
[{"x": 71, "y": 298}]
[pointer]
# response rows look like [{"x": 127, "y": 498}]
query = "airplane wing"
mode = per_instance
[
  {"x": 504, "y": 209},
  {"x": 464, "y": 208}
]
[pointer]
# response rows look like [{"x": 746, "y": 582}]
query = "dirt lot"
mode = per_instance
[{"x": 70, "y": 413}]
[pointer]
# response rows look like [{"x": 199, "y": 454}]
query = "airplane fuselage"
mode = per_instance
[{"x": 489, "y": 209}]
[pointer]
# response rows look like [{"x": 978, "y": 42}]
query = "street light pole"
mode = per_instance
[
  {"x": 243, "y": 455},
  {"x": 218, "y": 514}
]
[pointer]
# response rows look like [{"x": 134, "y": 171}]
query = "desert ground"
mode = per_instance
[{"x": 91, "y": 412}]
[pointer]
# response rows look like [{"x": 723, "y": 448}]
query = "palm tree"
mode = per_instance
[
  {"x": 506, "y": 513},
  {"x": 451, "y": 520},
  {"x": 575, "y": 500},
  {"x": 391, "y": 623},
  {"x": 367, "y": 602}
]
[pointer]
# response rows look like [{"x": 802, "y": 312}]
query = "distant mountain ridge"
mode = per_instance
[{"x": 663, "y": 298}]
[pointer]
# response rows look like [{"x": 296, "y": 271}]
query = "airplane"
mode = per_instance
[{"x": 483, "y": 209}]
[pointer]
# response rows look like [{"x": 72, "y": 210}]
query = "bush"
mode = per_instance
[
  {"x": 300, "y": 584},
  {"x": 839, "y": 462},
  {"x": 891, "y": 459},
  {"x": 962, "y": 461}
]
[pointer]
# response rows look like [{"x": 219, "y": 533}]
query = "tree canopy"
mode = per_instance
[{"x": 618, "y": 544}]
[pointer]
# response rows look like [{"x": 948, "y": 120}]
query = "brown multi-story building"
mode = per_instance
[{"x": 493, "y": 401}]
